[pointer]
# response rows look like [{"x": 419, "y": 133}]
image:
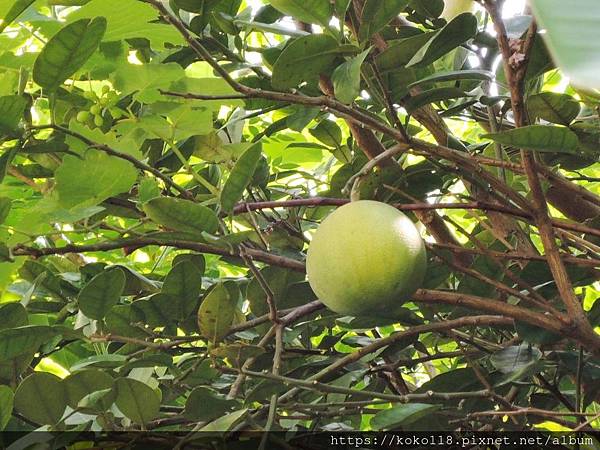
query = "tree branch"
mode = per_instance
[{"x": 516, "y": 76}]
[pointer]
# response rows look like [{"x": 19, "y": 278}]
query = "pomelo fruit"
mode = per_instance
[{"x": 366, "y": 258}]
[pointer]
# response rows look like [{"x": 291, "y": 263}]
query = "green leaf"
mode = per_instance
[
  {"x": 341, "y": 7},
  {"x": 205, "y": 404},
  {"x": 79, "y": 384},
  {"x": 433, "y": 8},
  {"x": 304, "y": 59},
  {"x": 225, "y": 423},
  {"x": 181, "y": 215},
  {"x": 41, "y": 397},
  {"x": 401, "y": 51},
  {"x": 328, "y": 132},
  {"x": 237, "y": 353},
  {"x": 281, "y": 281},
  {"x": 101, "y": 293},
  {"x": 572, "y": 34},
  {"x": 184, "y": 283},
  {"x": 97, "y": 401},
  {"x": 138, "y": 401},
  {"x": 455, "y": 75},
  {"x": 309, "y": 11},
  {"x": 128, "y": 19},
  {"x": 433, "y": 96},
  {"x": 23, "y": 340},
  {"x": 216, "y": 313},
  {"x": 6, "y": 405},
  {"x": 12, "y": 108},
  {"x": 5, "y": 206},
  {"x": 515, "y": 357},
  {"x": 91, "y": 180},
  {"x": 12, "y": 315},
  {"x": 457, "y": 32},
  {"x": 542, "y": 138},
  {"x": 240, "y": 177},
  {"x": 5, "y": 253},
  {"x": 536, "y": 335},
  {"x": 158, "y": 310},
  {"x": 197, "y": 259},
  {"x": 196, "y": 6},
  {"x": 6, "y": 160},
  {"x": 376, "y": 14},
  {"x": 12, "y": 11},
  {"x": 401, "y": 415},
  {"x": 346, "y": 78},
  {"x": 561, "y": 109},
  {"x": 146, "y": 80},
  {"x": 67, "y": 52}
]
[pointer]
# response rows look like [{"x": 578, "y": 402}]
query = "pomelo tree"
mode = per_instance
[{"x": 165, "y": 164}]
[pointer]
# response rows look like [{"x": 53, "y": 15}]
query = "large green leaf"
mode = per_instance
[
  {"x": 91, "y": 180},
  {"x": 10, "y": 10},
  {"x": 79, "y": 384},
  {"x": 433, "y": 96},
  {"x": 376, "y": 14},
  {"x": 401, "y": 415},
  {"x": 138, "y": 401},
  {"x": 184, "y": 283},
  {"x": 515, "y": 357},
  {"x": 216, "y": 313},
  {"x": 457, "y": 32},
  {"x": 23, "y": 340},
  {"x": 158, "y": 310},
  {"x": 205, "y": 404},
  {"x": 226, "y": 422},
  {"x": 572, "y": 34},
  {"x": 181, "y": 215},
  {"x": 455, "y": 75},
  {"x": 346, "y": 78},
  {"x": 516, "y": 362},
  {"x": 196, "y": 6},
  {"x": 6, "y": 405},
  {"x": 240, "y": 177},
  {"x": 127, "y": 19},
  {"x": 328, "y": 132},
  {"x": 5, "y": 207},
  {"x": 146, "y": 80},
  {"x": 67, "y": 51},
  {"x": 304, "y": 59},
  {"x": 12, "y": 315},
  {"x": 557, "y": 108},
  {"x": 101, "y": 293},
  {"x": 282, "y": 283},
  {"x": 401, "y": 51},
  {"x": 41, "y": 397},
  {"x": 11, "y": 111},
  {"x": 543, "y": 138},
  {"x": 310, "y": 11}
]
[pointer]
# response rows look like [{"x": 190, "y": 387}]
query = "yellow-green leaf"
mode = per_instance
[{"x": 67, "y": 51}]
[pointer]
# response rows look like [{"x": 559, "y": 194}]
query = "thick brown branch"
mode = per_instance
[{"x": 516, "y": 77}]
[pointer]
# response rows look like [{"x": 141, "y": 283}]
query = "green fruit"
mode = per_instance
[
  {"x": 366, "y": 258},
  {"x": 98, "y": 121},
  {"x": 96, "y": 109},
  {"x": 105, "y": 89},
  {"x": 83, "y": 116}
]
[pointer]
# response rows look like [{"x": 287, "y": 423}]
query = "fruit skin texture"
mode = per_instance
[{"x": 366, "y": 258}]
